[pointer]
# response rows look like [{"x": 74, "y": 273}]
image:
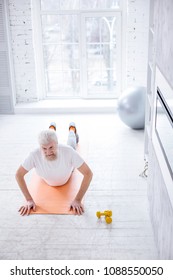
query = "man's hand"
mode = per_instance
[
  {"x": 77, "y": 207},
  {"x": 26, "y": 209}
]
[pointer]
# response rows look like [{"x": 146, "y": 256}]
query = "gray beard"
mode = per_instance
[{"x": 52, "y": 158}]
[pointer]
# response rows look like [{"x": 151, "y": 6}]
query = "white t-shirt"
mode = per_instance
[{"x": 55, "y": 172}]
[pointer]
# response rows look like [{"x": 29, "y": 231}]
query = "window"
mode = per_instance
[
  {"x": 81, "y": 48},
  {"x": 164, "y": 125}
]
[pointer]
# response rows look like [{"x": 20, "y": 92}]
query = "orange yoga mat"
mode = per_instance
[{"x": 54, "y": 200}]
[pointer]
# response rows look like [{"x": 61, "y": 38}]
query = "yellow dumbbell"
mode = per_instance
[{"x": 107, "y": 214}]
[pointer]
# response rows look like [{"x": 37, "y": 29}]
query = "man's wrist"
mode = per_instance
[
  {"x": 29, "y": 200},
  {"x": 78, "y": 200}
]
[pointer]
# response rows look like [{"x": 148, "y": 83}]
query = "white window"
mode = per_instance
[{"x": 80, "y": 48}]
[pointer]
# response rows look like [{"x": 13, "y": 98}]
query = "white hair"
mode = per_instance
[{"x": 47, "y": 136}]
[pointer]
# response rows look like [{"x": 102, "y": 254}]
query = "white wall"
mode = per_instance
[
  {"x": 161, "y": 210},
  {"x": 160, "y": 183},
  {"x": 6, "y": 75},
  {"x": 23, "y": 52},
  {"x": 137, "y": 42}
]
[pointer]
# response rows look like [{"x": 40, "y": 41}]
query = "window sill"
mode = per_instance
[{"x": 67, "y": 106}]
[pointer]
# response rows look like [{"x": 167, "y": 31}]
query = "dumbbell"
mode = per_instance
[{"x": 107, "y": 214}]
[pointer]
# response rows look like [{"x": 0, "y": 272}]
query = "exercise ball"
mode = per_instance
[{"x": 131, "y": 107}]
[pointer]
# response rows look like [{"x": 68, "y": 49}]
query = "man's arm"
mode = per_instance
[
  {"x": 21, "y": 172},
  {"x": 87, "y": 177}
]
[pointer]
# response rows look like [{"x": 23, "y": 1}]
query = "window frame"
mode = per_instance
[{"x": 38, "y": 48}]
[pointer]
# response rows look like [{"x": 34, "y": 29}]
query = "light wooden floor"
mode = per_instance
[{"x": 115, "y": 154}]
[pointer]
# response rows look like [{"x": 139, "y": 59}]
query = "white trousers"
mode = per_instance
[{"x": 71, "y": 141}]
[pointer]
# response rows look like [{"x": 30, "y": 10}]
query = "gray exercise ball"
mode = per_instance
[{"x": 131, "y": 107}]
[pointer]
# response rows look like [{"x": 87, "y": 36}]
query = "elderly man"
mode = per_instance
[{"x": 54, "y": 163}]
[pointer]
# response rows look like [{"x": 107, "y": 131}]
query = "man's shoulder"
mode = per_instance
[
  {"x": 35, "y": 152},
  {"x": 65, "y": 148}
]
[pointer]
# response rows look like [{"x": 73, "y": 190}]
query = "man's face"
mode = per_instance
[{"x": 50, "y": 150}]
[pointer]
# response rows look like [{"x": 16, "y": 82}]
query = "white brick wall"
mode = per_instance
[
  {"x": 22, "y": 49},
  {"x": 137, "y": 42},
  {"x": 23, "y": 52}
]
